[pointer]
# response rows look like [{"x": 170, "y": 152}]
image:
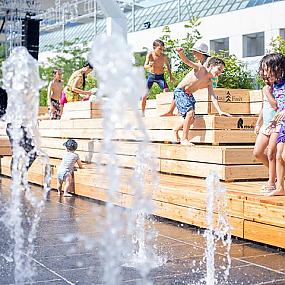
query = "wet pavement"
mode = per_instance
[{"x": 61, "y": 256}]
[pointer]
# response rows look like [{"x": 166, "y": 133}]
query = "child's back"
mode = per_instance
[{"x": 67, "y": 164}]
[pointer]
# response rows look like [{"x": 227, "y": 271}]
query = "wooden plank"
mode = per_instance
[
  {"x": 204, "y": 108},
  {"x": 265, "y": 213},
  {"x": 209, "y": 154},
  {"x": 223, "y": 94},
  {"x": 255, "y": 96},
  {"x": 268, "y": 234},
  {"x": 224, "y": 172},
  {"x": 195, "y": 136},
  {"x": 255, "y": 108},
  {"x": 201, "y": 122},
  {"x": 42, "y": 110},
  {"x": 89, "y": 150}
]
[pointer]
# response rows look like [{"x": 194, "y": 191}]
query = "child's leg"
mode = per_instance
[
  {"x": 189, "y": 120},
  {"x": 170, "y": 111},
  {"x": 59, "y": 185},
  {"x": 259, "y": 149},
  {"x": 144, "y": 103},
  {"x": 271, "y": 154},
  {"x": 280, "y": 171},
  {"x": 67, "y": 186},
  {"x": 176, "y": 132}
]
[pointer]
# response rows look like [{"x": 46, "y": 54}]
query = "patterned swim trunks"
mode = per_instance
[
  {"x": 184, "y": 102},
  {"x": 281, "y": 134},
  {"x": 55, "y": 113}
]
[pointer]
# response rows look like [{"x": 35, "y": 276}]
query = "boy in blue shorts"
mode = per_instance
[
  {"x": 154, "y": 63},
  {"x": 199, "y": 78}
]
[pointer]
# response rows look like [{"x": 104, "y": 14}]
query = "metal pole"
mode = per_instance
[
  {"x": 63, "y": 28},
  {"x": 178, "y": 11},
  {"x": 116, "y": 20},
  {"x": 133, "y": 16},
  {"x": 95, "y": 19}
]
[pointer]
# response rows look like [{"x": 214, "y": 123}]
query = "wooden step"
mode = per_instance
[
  {"x": 184, "y": 199},
  {"x": 223, "y": 95},
  {"x": 4, "y": 146},
  {"x": 233, "y": 101},
  {"x": 208, "y": 122}
]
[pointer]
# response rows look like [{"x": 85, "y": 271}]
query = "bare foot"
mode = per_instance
[
  {"x": 176, "y": 136},
  {"x": 277, "y": 192},
  {"x": 167, "y": 114},
  {"x": 67, "y": 195},
  {"x": 186, "y": 142}
]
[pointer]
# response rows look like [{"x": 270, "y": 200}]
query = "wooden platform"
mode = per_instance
[
  {"x": 183, "y": 199},
  {"x": 223, "y": 145},
  {"x": 4, "y": 146}
]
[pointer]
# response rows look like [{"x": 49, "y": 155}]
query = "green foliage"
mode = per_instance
[
  {"x": 186, "y": 43},
  {"x": 278, "y": 45},
  {"x": 70, "y": 57},
  {"x": 236, "y": 74},
  {"x": 2, "y": 58}
]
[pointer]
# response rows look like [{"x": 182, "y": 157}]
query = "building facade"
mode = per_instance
[{"x": 243, "y": 27}]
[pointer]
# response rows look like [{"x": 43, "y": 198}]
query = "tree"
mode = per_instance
[
  {"x": 278, "y": 45},
  {"x": 2, "y": 58},
  {"x": 236, "y": 74}
]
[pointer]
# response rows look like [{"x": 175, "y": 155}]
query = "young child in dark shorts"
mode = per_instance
[{"x": 154, "y": 63}]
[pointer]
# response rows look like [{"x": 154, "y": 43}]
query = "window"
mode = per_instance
[
  {"x": 282, "y": 33},
  {"x": 253, "y": 44},
  {"x": 219, "y": 44}
]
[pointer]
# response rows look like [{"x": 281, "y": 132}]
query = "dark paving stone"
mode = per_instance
[
  {"x": 71, "y": 261},
  {"x": 249, "y": 250},
  {"x": 41, "y": 274},
  {"x": 66, "y": 247},
  {"x": 271, "y": 261},
  {"x": 60, "y": 250},
  {"x": 52, "y": 282}
]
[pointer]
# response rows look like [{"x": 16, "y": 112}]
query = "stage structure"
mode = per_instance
[{"x": 13, "y": 14}]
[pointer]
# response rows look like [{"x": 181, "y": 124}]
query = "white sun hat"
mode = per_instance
[{"x": 201, "y": 48}]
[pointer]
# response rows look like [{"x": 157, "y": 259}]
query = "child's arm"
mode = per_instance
[
  {"x": 166, "y": 62},
  {"x": 77, "y": 90},
  {"x": 49, "y": 93},
  {"x": 186, "y": 60},
  {"x": 267, "y": 90},
  {"x": 79, "y": 162},
  {"x": 259, "y": 121},
  {"x": 148, "y": 64},
  {"x": 215, "y": 102}
]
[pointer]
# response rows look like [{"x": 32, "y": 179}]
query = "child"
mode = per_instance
[
  {"x": 272, "y": 68},
  {"x": 266, "y": 137},
  {"x": 200, "y": 52},
  {"x": 193, "y": 81},
  {"x": 154, "y": 63},
  {"x": 53, "y": 96},
  {"x": 66, "y": 167}
]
